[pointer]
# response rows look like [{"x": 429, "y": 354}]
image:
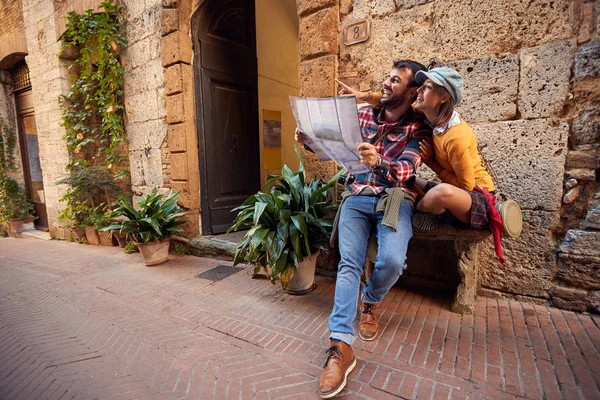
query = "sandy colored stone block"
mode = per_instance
[
  {"x": 405, "y": 35},
  {"x": 319, "y": 33},
  {"x": 147, "y": 134},
  {"x": 175, "y": 109},
  {"x": 308, "y": 6},
  {"x": 580, "y": 271},
  {"x": 372, "y": 8},
  {"x": 185, "y": 199},
  {"x": 544, "y": 82},
  {"x": 529, "y": 159},
  {"x": 579, "y": 159},
  {"x": 173, "y": 79},
  {"x": 587, "y": 61},
  {"x": 169, "y": 21},
  {"x": 176, "y": 138},
  {"x": 176, "y": 47},
  {"x": 136, "y": 54},
  {"x": 581, "y": 174},
  {"x": 586, "y": 23},
  {"x": 179, "y": 167},
  {"x": 146, "y": 169},
  {"x": 471, "y": 29},
  {"x": 491, "y": 88},
  {"x": 405, "y": 4},
  {"x": 317, "y": 77},
  {"x": 529, "y": 259},
  {"x": 142, "y": 107}
]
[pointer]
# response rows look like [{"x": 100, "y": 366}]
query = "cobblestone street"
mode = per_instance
[{"x": 82, "y": 321}]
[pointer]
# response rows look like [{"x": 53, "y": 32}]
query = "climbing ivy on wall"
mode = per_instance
[
  {"x": 8, "y": 144},
  {"x": 92, "y": 111}
]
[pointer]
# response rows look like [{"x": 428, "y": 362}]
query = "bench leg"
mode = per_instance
[{"x": 466, "y": 293}]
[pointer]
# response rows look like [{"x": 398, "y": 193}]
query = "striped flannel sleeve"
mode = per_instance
[{"x": 405, "y": 166}]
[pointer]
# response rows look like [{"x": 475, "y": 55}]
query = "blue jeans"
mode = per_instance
[{"x": 357, "y": 220}]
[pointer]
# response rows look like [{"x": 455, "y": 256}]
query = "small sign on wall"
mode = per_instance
[
  {"x": 271, "y": 140},
  {"x": 357, "y": 32}
]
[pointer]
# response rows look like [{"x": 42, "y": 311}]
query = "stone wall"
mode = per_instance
[
  {"x": 531, "y": 96},
  {"x": 13, "y": 45},
  {"x": 48, "y": 80}
]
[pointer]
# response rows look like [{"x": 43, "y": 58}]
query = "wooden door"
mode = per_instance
[
  {"x": 30, "y": 156},
  {"x": 227, "y": 108}
]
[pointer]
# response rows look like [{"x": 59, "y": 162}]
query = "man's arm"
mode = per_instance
[{"x": 405, "y": 166}]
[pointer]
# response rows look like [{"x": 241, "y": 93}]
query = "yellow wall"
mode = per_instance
[{"x": 277, "y": 51}]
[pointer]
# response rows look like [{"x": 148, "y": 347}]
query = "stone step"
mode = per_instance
[
  {"x": 215, "y": 246},
  {"x": 36, "y": 234}
]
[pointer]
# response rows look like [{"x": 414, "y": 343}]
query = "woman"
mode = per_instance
[{"x": 467, "y": 186}]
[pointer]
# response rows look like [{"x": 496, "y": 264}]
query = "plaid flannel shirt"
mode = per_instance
[{"x": 399, "y": 149}]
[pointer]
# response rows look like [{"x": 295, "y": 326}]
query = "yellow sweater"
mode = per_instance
[{"x": 456, "y": 152}]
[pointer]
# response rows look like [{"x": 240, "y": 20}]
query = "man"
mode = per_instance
[{"x": 391, "y": 135}]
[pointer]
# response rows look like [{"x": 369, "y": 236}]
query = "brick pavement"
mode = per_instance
[{"x": 92, "y": 322}]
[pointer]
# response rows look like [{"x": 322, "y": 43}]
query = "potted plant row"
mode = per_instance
[
  {"x": 15, "y": 208},
  {"x": 150, "y": 226},
  {"x": 288, "y": 227},
  {"x": 88, "y": 202}
]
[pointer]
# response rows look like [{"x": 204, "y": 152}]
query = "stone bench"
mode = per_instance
[{"x": 466, "y": 243}]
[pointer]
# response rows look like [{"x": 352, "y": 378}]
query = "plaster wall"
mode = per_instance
[{"x": 277, "y": 52}]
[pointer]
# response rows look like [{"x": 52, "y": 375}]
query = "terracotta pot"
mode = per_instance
[
  {"x": 121, "y": 240},
  {"x": 304, "y": 277},
  {"x": 78, "y": 233},
  {"x": 156, "y": 252},
  {"x": 105, "y": 238},
  {"x": 91, "y": 235},
  {"x": 18, "y": 226}
]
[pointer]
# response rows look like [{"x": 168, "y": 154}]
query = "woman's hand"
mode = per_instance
[
  {"x": 427, "y": 152},
  {"x": 368, "y": 154},
  {"x": 350, "y": 91}
]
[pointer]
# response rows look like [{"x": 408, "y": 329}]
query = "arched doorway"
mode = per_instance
[
  {"x": 28, "y": 142},
  {"x": 225, "y": 70}
]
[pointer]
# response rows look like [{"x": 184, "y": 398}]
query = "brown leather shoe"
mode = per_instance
[
  {"x": 368, "y": 325},
  {"x": 339, "y": 364}
]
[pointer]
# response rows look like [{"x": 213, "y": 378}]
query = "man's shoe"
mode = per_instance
[
  {"x": 339, "y": 364},
  {"x": 368, "y": 326},
  {"x": 425, "y": 221}
]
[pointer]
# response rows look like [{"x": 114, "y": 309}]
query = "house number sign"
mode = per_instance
[{"x": 356, "y": 32}]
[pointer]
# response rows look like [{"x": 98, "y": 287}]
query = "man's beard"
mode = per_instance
[{"x": 395, "y": 101}]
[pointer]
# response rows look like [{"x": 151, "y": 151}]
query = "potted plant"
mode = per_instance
[
  {"x": 103, "y": 220},
  {"x": 289, "y": 225},
  {"x": 90, "y": 188},
  {"x": 151, "y": 226},
  {"x": 15, "y": 208}
]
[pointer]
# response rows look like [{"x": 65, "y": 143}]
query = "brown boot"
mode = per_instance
[
  {"x": 368, "y": 325},
  {"x": 339, "y": 364}
]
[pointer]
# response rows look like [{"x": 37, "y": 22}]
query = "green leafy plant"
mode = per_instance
[
  {"x": 93, "y": 112},
  {"x": 180, "y": 249},
  {"x": 8, "y": 144},
  {"x": 130, "y": 247},
  {"x": 286, "y": 224},
  {"x": 156, "y": 219},
  {"x": 91, "y": 190},
  {"x": 13, "y": 200}
]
